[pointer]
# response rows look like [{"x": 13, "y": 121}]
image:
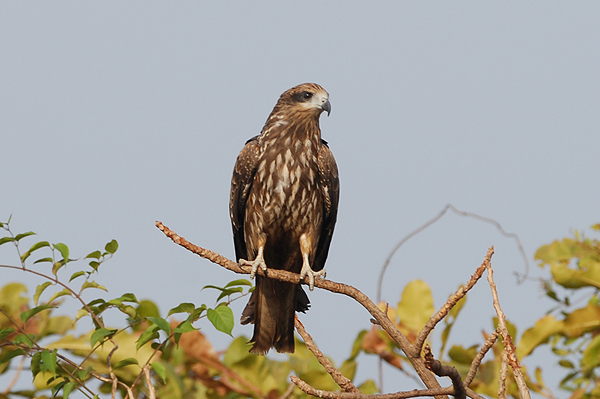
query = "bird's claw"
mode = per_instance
[
  {"x": 308, "y": 271},
  {"x": 259, "y": 261}
]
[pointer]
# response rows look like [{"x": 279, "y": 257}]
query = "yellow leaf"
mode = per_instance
[
  {"x": 582, "y": 320},
  {"x": 538, "y": 334},
  {"x": 416, "y": 306}
]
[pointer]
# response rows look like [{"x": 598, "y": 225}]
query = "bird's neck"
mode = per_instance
[{"x": 291, "y": 128}]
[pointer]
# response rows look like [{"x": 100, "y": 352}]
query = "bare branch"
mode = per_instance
[
  {"x": 445, "y": 371},
  {"x": 337, "y": 376},
  {"x": 414, "y": 356},
  {"x": 351, "y": 395},
  {"x": 509, "y": 347},
  {"x": 489, "y": 342},
  {"x": 452, "y": 300}
]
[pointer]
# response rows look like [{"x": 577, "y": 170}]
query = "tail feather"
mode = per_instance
[{"x": 273, "y": 315}]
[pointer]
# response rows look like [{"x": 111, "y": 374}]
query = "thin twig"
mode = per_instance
[
  {"x": 452, "y": 300},
  {"x": 337, "y": 376},
  {"x": 252, "y": 390},
  {"x": 509, "y": 347},
  {"x": 489, "y": 342},
  {"x": 288, "y": 391},
  {"x": 352, "y": 395},
  {"x": 503, "y": 376},
  {"x": 151, "y": 390},
  {"x": 435, "y": 219},
  {"x": 16, "y": 377}
]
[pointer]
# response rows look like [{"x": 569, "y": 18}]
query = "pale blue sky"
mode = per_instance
[{"x": 114, "y": 115}]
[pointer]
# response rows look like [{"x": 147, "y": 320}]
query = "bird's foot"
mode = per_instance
[
  {"x": 308, "y": 271},
  {"x": 259, "y": 261}
]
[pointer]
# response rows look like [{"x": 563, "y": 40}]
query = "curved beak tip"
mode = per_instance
[{"x": 327, "y": 107}]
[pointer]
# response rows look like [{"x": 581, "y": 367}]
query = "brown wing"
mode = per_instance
[
  {"x": 330, "y": 189},
  {"x": 241, "y": 182}
]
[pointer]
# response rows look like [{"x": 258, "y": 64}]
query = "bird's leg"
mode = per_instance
[
  {"x": 259, "y": 261},
  {"x": 306, "y": 268}
]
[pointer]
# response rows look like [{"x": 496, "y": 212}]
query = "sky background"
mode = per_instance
[{"x": 114, "y": 115}]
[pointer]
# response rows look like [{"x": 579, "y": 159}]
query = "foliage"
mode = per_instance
[
  {"x": 149, "y": 352},
  {"x": 168, "y": 353},
  {"x": 572, "y": 328}
]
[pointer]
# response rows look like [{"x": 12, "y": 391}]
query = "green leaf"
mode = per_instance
[
  {"x": 59, "y": 294},
  {"x": 100, "y": 334},
  {"x": 6, "y": 358},
  {"x": 28, "y": 314},
  {"x": 147, "y": 336},
  {"x": 5, "y": 332},
  {"x": 348, "y": 369},
  {"x": 229, "y": 291},
  {"x": 58, "y": 265},
  {"x": 23, "y": 235},
  {"x": 368, "y": 387},
  {"x": 591, "y": 354},
  {"x": 124, "y": 298},
  {"x": 75, "y": 275},
  {"x": 49, "y": 361},
  {"x": 94, "y": 255},
  {"x": 63, "y": 249},
  {"x": 97, "y": 301},
  {"x": 36, "y": 361},
  {"x": 92, "y": 284},
  {"x": 239, "y": 282},
  {"x": 357, "y": 345},
  {"x": 35, "y": 247},
  {"x": 50, "y": 260},
  {"x": 148, "y": 309},
  {"x": 181, "y": 308},
  {"x": 197, "y": 312},
  {"x": 24, "y": 339},
  {"x": 128, "y": 310},
  {"x": 125, "y": 362},
  {"x": 214, "y": 287},
  {"x": 94, "y": 265},
  {"x": 58, "y": 387},
  {"x": 111, "y": 247},
  {"x": 161, "y": 323},
  {"x": 38, "y": 291},
  {"x": 4, "y": 240},
  {"x": 184, "y": 327},
  {"x": 221, "y": 318},
  {"x": 68, "y": 388},
  {"x": 129, "y": 297},
  {"x": 566, "y": 364},
  {"x": 463, "y": 355},
  {"x": 160, "y": 370}
]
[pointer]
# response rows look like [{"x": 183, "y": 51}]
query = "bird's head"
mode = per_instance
[{"x": 309, "y": 98}]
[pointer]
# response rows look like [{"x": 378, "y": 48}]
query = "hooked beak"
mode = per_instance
[{"x": 326, "y": 107}]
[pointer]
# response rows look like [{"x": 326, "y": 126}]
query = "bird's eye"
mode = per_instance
[{"x": 306, "y": 95}]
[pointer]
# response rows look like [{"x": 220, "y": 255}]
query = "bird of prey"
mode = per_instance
[{"x": 283, "y": 208}]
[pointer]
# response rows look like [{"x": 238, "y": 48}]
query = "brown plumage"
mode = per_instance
[{"x": 283, "y": 208}]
